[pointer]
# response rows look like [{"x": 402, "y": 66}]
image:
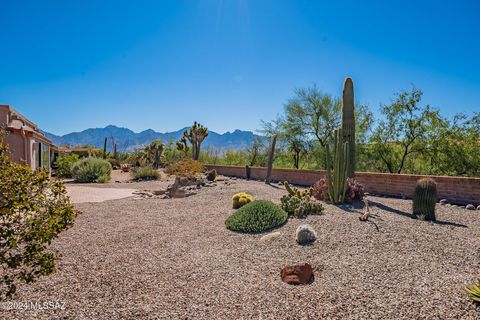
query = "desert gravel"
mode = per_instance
[{"x": 174, "y": 259}]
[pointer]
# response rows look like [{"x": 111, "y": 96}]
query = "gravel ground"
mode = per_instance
[
  {"x": 174, "y": 259},
  {"x": 79, "y": 194}
]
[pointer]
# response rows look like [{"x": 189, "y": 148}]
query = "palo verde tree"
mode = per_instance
[
  {"x": 405, "y": 131},
  {"x": 34, "y": 209},
  {"x": 195, "y": 135}
]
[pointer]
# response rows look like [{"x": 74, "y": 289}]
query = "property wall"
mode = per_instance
[{"x": 457, "y": 189}]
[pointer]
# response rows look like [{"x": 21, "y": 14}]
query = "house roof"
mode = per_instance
[{"x": 18, "y": 122}]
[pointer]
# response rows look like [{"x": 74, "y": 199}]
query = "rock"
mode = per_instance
[
  {"x": 443, "y": 201},
  {"x": 478, "y": 208},
  {"x": 299, "y": 274},
  {"x": 211, "y": 175},
  {"x": 179, "y": 193},
  {"x": 270, "y": 236},
  {"x": 159, "y": 192},
  {"x": 470, "y": 207},
  {"x": 305, "y": 234}
]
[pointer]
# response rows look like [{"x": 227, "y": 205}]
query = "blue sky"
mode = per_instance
[{"x": 71, "y": 65}]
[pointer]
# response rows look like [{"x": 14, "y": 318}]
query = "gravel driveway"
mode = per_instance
[{"x": 174, "y": 259}]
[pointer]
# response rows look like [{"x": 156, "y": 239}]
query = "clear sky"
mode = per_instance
[{"x": 71, "y": 65}]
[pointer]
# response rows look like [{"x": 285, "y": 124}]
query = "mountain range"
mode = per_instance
[{"x": 128, "y": 140}]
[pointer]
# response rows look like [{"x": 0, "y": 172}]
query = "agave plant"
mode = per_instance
[{"x": 473, "y": 291}]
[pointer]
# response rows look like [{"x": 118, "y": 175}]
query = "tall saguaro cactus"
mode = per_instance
[
  {"x": 348, "y": 123},
  {"x": 337, "y": 181}
]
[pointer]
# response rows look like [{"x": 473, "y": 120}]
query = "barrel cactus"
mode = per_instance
[
  {"x": 305, "y": 234},
  {"x": 424, "y": 199},
  {"x": 240, "y": 199}
]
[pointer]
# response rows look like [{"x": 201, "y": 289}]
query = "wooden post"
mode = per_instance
[
  {"x": 247, "y": 172},
  {"x": 270, "y": 159}
]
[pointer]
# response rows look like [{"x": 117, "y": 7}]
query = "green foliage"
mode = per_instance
[
  {"x": 240, "y": 199},
  {"x": 405, "y": 132},
  {"x": 257, "y": 216},
  {"x": 473, "y": 291},
  {"x": 34, "y": 210},
  {"x": 64, "y": 165},
  {"x": 425, "y": 198},
  {"x": 145, "y": 173},
  {"x": 91, "y": 170},
  {"x": 299, "y": 203}
]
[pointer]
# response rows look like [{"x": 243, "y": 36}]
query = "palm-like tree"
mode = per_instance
[{"x": 154, "y": 150}]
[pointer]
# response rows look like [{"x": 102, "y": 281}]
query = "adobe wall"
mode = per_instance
[{"x": 456, "y": 189}]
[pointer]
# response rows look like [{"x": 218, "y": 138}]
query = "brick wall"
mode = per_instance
[{"x": 460, "y": 190}]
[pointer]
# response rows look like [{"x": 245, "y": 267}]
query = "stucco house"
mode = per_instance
[{"x": 27, "y": 143}]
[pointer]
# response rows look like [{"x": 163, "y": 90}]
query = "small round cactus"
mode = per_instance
[
  {"x": 240, "y": 199},
  {"x": 305, "y": 234}
]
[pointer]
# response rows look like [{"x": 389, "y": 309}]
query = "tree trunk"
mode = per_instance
[{"x": 270, "y": 159}]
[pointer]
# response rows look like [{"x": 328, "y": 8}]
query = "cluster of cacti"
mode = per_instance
[
  {"x": 195, "y": 135},
  {"x": 343, "y": 149},
  {"x": 337, "y": 180},
  {"x": 305, "y": 234},
  {"x": 473, "y": 291},
  {"x": 424, "y": 199},
  {"x": 299, "y": 203},
  {"x": 297, "y": 192},
  {"x": 240, "y": 199}
]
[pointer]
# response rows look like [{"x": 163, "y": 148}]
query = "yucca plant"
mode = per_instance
[
  {"x": 473, "y": 291},
  {"x": 425, "y": 198}
]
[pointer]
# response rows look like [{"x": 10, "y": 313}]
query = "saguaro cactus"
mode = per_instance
[
  {"x": 105, "y": 149},
  {"x": 337, "y": 181},
  {"x": 348, "y": 123}
]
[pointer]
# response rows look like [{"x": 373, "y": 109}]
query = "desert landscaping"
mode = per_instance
[{"x": 154, "y": 258}]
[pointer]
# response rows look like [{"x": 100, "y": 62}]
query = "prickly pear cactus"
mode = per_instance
[{"x": 424, "y": 199}]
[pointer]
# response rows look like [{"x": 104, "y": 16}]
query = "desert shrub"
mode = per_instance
[
  {"x": 115, "y": 163},
  {"x": 34, "y": 210},
  {"x": 425, "y": 199},
  {"x": 257, "y": 216},
  {"x": 145, "y": 173},
  {"x": 92, "y": 170},
  {"x": 184, "y": 167},
  {"x": 64, "y": 165},
  {"x": 355, "y": 190},
  {"x": 240, "y": 199}
]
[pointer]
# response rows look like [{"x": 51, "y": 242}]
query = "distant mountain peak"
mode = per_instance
[{"x": 128, "y": 140}]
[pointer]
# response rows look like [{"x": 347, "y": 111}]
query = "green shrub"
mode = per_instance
[
  {"x": 34, "y": 210},
  {"x": 257, "y": 216},
  {"x": 145, "y": 173},
  {"x": 92, "y": 170},
  {"x": 64, "y": 165}
]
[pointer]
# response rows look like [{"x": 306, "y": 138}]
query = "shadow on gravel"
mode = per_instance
[{"x": 409, "y": 215}]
